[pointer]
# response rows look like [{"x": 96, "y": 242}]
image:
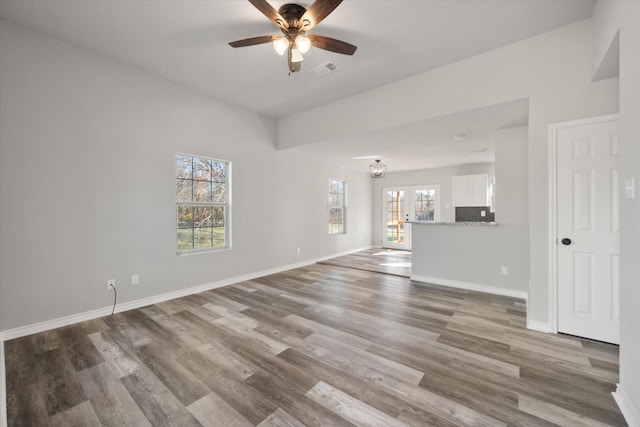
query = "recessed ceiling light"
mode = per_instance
[{"x": 459, "y": 137}]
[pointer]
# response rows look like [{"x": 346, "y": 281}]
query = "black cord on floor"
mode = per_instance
[{"x": 115, "y": 297}]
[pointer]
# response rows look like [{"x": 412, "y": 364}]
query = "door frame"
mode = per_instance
[
  {"x": 553, "y": 209},
  {"x": 410, "y": 200}
]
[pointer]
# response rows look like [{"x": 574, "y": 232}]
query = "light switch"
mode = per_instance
[{"x": 630, "y": 189}]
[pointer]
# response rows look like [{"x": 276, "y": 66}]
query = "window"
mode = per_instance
[
  {"x": 202, "y": 203},
  {"x": 337, "y": 206}
]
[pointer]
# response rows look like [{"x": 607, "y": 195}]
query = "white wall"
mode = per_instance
[
  {"x": 87, "y": 150},
  {"x": 553, "y": 70},
  {"x": 610, "y": 18},
  {"x": 473, "y": 256}
]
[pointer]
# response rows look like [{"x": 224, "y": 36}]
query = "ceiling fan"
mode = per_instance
[{"x": 295, "y": 21}]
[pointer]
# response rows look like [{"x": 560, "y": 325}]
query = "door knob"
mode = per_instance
[{"x": 566, "y": 241}]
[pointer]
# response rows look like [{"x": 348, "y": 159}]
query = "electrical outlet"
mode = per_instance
[
  {"x": 298, "y": 251},
  {"x": 504, "y": 270},
  {"x": 110, "y": 283},
  {"x": 135, "y": 279}
]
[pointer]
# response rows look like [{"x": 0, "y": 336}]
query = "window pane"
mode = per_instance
[
  {"x": 183, "y": 167},
  {"x": 204, "y": 182},
  {"x": 185, "y": 239},
  {"x": 183, "y": 190},
  {"x": 201, "y": 191},
  {"x": 202, "y": 169},
  {"x": 203, "y": 238},
  {"x": 202, "y": 216},
  {"x": 219, "y": 193},
  {"x": 185, "y": 217},
  {"x": 219, "y": 172},
  {"x": 219, "y": 238},
  {"x": 425, "y": 205},
  {"x": 218, "y": 216}
]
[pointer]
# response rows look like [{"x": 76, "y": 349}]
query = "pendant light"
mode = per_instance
[{"x": 377, "y": 169}]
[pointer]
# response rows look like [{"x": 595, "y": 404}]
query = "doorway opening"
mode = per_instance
[{"x": 403, "y": 205}]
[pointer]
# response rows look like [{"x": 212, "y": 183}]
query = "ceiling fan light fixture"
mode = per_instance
[
  {"x": 303, "y": 43},
  {"x": 296, "y": 56},
  {"x": 280, "y": 45},
  {"x": 294, "y": 21},
  {"x": 377, "y": 169}
]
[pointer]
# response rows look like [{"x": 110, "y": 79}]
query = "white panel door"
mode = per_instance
[{"x": 588, "y": 231}]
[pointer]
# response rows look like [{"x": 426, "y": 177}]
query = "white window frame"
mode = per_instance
[
  {"x": 225, "y": 204},
  {"x": 334, "y": 203}
]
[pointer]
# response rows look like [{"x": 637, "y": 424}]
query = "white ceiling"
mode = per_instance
[
  {"x": 186, "y": 42},
  {"x": 465, "y": 137}
]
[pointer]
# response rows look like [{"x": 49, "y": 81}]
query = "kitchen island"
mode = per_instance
[{"x": 480, "y": 256}]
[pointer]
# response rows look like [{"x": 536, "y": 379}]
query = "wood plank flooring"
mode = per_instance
[
  {"x": 388, "y": 261},
  {"x": 322, "y": 345}
]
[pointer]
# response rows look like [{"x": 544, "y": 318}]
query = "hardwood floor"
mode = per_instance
[
  {"x": 388, "y": 261},
  {"x": 322, "y": 345}
]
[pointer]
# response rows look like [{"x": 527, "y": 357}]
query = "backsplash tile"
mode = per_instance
[{"x": 474, "y": 214}]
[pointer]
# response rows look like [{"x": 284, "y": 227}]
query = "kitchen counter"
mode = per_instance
[
  {"x": 459, "y": 223},
  {"x": 471, "y": 255}
]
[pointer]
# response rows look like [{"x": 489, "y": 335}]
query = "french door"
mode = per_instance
[{"x": 401, "y": 205}]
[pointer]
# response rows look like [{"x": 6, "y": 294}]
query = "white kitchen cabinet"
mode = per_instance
[{"x": 471, "y": 190}]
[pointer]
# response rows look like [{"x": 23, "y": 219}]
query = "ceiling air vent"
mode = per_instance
[{"x": 323, "y": 69}]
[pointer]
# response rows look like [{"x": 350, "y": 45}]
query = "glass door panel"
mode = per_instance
[
  {"x": 395, "y": 215},
  {"x": 425, "y": 204},
  {"x": 401, "y": 206}
]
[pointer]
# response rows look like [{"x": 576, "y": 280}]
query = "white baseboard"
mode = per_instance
[
  {"x": 364, "y": 248},
  {"x": 535, "y": 325},
  {"x": 470, "y": 286},
  {"x": 155, "y": 299},
  {"x": 631, "y": 414},
  {"x": 130, "y": 305},
  {"x": 105, "y": 311},
  {"x": 3, "y": 386}
]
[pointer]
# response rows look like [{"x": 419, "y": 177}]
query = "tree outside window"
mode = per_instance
[
  {"x": 202, "y": 203},
  {"x": 337, "y": 206}
]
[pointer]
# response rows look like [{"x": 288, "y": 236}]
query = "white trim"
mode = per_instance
[
  {"x": 535, "y": 325},
  {"x": 552, "y": 279},
  {"x": 631, "y": 416},
  {"x": 3, "y": 385},
  {"x": 105, "y": 311},
  {"x": 470, "y": 286},
  {"x": 552, "y": 308}
]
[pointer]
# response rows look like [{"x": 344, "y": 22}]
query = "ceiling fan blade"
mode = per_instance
[
  {"x": 319, "y": 10},
  {"x": 332, "y": 45},
  {"x": 254, "y": 41},
  {"x": 268, "y": 11}
]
